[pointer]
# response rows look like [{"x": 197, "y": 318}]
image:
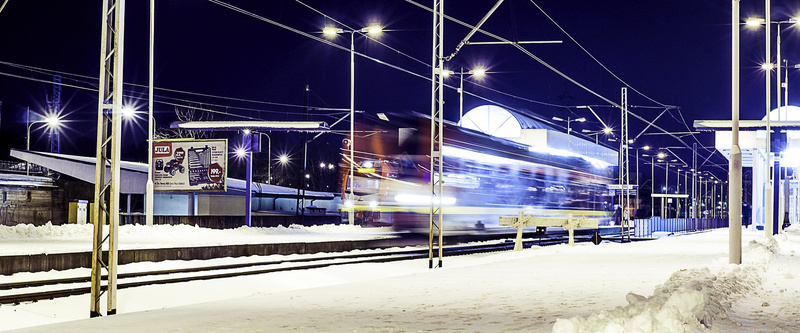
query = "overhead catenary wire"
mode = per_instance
[
  {"x": 94, "y": 84},
  {"x": 330, "y": 43},
  {"x": 593, "y": 57},
  {"x": 345, "y": 49},
  {"x": 543, "y": 63}
]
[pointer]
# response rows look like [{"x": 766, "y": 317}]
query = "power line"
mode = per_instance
[
  {"x": 593, "y": 57},
  {"x": 370, "y": 38},
  {"x": 327, "y": 42}
]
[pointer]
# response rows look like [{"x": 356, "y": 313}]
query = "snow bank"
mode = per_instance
[
  {"x": 48, "y": 238},
  {"x": 689, "y": 301},
  {"x": 31, "y": 232}
]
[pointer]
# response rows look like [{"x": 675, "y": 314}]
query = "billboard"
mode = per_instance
[{"x": 189, "y": 165}]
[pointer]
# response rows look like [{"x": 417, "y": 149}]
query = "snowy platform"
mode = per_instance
[
  {"x": 25, "y": 248},
  {"x": 674, "y": 284},
  {"x": 28, "y": 239}
]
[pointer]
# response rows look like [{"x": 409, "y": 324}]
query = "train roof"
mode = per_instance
[{"x": 478, "y": 141}]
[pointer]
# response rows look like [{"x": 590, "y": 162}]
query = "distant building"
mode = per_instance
[{"x": 30, "y": 199}]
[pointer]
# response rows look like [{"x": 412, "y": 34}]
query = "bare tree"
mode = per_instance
[{"x": 187, "y": 114}]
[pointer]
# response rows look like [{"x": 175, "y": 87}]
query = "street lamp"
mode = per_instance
[
  {"x": 638, "y": 185},
  {"x": 52, "y": 123},
  {"x": 269, "y": 156},
  {"x": 596, "y": 134},
  {"x": 769, "y": 186},
  {"x": 128, "y": 112},
  {"x": 247, "y": 151},
  {"x": 568, "y": 121},
  {"x": 660, "y": 156},
  {"x": 331, "y": 31},
  {"x": 478, "y": 73}
]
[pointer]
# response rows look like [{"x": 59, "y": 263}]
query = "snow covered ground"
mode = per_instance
[
  {"x": 29, "y": 239},
  {"x": 674, "y": 284}
]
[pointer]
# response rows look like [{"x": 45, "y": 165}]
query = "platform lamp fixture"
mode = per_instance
[
  {"x": 569, "y": 121},
  {"x": 52, "y": 123},
  {"x": 331, "y": 31},
  {"x": 596, "y": 134},
  {"x": 477, "y": 72}
]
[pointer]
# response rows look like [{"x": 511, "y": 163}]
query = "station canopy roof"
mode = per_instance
[{"x": 497, "y": 121}]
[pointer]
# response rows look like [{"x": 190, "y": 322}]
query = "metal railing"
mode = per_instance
[{"x": 647, "y": 227}]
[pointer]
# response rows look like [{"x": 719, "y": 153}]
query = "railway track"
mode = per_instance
[{"x": 20, "y": 292}]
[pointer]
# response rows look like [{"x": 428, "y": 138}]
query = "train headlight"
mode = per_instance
[{"x": 373, "y": 204}]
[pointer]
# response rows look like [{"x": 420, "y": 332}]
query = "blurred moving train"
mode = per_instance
[{"x": 485, "y": 177}]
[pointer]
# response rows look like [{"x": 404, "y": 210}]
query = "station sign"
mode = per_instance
[
  {"x": 621, "y": 192},
  {"x": 366, "y": 170},
  {"x": 622, "y": 186},
  {"x": 190, "y": 165}
]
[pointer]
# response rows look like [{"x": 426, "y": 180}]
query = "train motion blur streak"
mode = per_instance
[{"x": 485, "y": 177}]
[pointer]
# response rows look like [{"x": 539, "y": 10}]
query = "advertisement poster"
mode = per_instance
[{"x": 189, "y": 165}]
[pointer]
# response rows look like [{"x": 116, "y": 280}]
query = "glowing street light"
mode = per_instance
[
  {"x": 52, "y": 123},
  {"x": 283, "y": 159},
  {"x": 128, "y": 112},
  {"x": 568, "y": 121},
  {"x": 769, "y": 187},
  {"x": 332, "y": 31},
  {"x": 596, "y": 134},
  {"x": 241, "y": 152},
  {"x": 478, "y": 73},
  {"x": 770, "y": 229},
  {"x": 754, "y": 22}
]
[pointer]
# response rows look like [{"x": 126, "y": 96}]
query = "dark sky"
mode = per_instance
[{"x": 674, "y": 52}]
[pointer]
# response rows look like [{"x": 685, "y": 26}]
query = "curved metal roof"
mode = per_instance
[{"x": 497, "y": 121}]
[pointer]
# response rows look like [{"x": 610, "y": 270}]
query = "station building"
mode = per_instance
[{"x": 784, "y": 156}]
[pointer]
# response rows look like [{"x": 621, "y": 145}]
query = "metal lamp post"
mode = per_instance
[
  {"x": 150, "y": 186},
  {"x": 52, "y": 124},
  {"x": 269, "y": 157},
  {"x": 568, "y": 121},
  {"x": 769, "y": 220},
  {"x": 477, "y": 72},
  {"x": 596, "y": 134},
  {"x": 735, "y": 165},
  {"x": 247, "y": 152},
  {"x": 332, "y": 32}
]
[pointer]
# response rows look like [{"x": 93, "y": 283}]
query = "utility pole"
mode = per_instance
[
  {"x": 437, "y": 132},
  {"x": 695, "y": 213},
  {"x": 624, "y": 166},
  {"x": 106, "y": 186},
  {"x": 735, "y": 167}
]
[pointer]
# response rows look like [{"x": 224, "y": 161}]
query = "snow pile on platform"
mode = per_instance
[
  {"x": 48, "y": 238},
  {"x": 689, "y": 301}
]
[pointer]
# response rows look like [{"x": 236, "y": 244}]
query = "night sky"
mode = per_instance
[{"x": 675, "y": 53}]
